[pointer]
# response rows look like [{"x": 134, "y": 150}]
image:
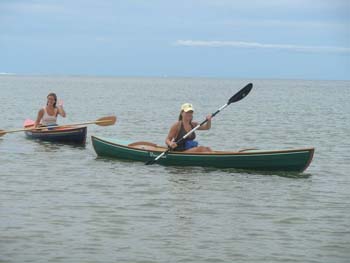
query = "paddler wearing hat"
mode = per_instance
[{"x": 182, "y": 127}]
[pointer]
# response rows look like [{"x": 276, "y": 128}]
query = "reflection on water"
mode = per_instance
[
  {"x": 295, "y": 175},
  {"x": 56, "y": 146},
  {"x": 193, "y": 170}
]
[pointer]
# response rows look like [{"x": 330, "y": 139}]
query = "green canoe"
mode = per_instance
[{"x": 296, "y": 160}]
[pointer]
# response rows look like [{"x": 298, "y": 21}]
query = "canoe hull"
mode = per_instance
[
  {"x": 73, "y": 135},
  {"x": 284, "y": 160}
]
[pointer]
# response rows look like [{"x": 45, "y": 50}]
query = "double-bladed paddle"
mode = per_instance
[
  {"x": 237, "y": 97},
  {"x": 104, "y": 121}
]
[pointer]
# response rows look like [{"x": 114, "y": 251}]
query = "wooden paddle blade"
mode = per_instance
[
  {"x": 241, "y": 94},
  {"x": 106, "y": 121},
  {"x": 2, "y": 132}
]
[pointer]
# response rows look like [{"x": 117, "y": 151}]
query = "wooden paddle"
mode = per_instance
[
  {"x": 104, "y": 121},
  {"x": 237, "y": 97}
]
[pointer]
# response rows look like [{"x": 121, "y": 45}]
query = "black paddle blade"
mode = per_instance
[
  {"x": 241, "y": 94},
  {"x": 150, "y": 162}
]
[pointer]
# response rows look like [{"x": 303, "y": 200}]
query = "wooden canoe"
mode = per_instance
[
  {"x": 69, "y": 134},
  {"x": 295, "y": 160}
]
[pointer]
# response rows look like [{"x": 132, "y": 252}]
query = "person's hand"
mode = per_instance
[
  {"x": 173, "y": 145},
  {"x": 209, "y": 117},
  {"x": 60, "y": 103}
]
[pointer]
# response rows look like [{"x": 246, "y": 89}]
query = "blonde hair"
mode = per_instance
[{"x": 180, "y": 116}]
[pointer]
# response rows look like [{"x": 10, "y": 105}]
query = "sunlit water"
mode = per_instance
[{"x": 60, "y": 203}]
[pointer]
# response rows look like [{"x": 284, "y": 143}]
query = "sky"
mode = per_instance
[{"x": 246, "y": 39}]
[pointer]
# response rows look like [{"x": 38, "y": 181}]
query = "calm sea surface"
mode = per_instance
[{"x": 60, "y": 203}]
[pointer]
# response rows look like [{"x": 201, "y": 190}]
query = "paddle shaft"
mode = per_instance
[
  {"x": 110, "y": 119},
  {"x": 45, "y": 127},
  {"x": 83, "y": 123}
]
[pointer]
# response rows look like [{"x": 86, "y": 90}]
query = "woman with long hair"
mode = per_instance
[
  {"x": 47, "y": 116},
  {"x": 182, "y": 127}
]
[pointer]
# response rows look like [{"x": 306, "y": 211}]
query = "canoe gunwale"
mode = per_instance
[{"x": 59, "y": 130}]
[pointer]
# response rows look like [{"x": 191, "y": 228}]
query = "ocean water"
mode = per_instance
[{"x": 61, "y": 203}]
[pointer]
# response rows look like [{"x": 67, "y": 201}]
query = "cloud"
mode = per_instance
[
  {"x": 255, "y": 45},
  {"x": 6, "y": 73}
]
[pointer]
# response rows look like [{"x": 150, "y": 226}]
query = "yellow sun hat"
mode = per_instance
[{"x": 186, "y": 107}]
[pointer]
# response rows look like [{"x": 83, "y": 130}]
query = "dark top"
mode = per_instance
[{"x": 182, "y": 132}]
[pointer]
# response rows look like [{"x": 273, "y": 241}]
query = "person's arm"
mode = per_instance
[
  {"x": 60, "y": 109},
  {"x": 171, "y": 136},
  {"x": 38, "y": 118},
  {"x": 206, "y": 126}
]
